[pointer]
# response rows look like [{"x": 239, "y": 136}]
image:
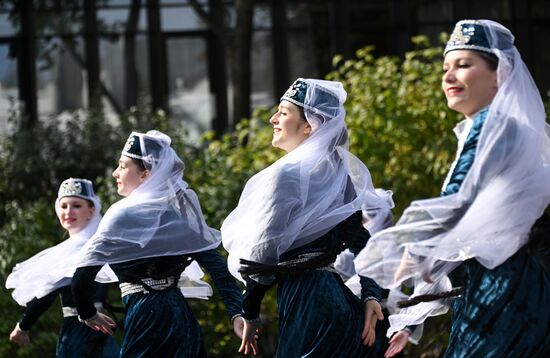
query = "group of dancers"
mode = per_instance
[{"x": 312, "y": 220}]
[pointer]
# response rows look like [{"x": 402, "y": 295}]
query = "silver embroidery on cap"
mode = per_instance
[
  {"x": 70, "y": 187},
  {"x": 129, "y": 143}
]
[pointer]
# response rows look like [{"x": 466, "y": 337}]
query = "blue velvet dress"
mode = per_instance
[
  {"x": 318, "y": 314},
  {"x": 503, "y": 312},
  {"x": 75, "y": 338},
  {"x": 160, "y": 323}
]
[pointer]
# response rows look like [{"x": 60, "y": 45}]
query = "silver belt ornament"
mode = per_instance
[{"x": 127, "y": 288}]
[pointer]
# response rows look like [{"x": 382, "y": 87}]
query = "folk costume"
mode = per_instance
[
  {"x": 293, "y": 218},
  {"x": 153, "y": 239},
  {"x": 38, "y": 281},
  {"x": 480, "y": 233},
  {"x": 374, "y": 221}
]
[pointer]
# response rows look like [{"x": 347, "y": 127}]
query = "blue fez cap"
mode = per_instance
[
  {"x": 144, "y": 147},
  {"x": 296, "y": 93},
  {"x": 81, "y": 188},
  {"x": 468, "y": 35},
  {"x": 132, "y": 148},
  {"x": 323, "y": 101}
]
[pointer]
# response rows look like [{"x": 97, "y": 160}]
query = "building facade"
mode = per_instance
[{"x": 59, "y": 56}]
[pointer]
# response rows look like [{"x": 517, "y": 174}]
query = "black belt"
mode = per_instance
[{"x": 304, "y": 262}]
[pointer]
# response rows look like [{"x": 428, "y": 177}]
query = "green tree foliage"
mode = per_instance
[{"x": 399, "y": 126}]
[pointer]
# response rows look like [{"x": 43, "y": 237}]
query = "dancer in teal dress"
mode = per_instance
[
  {"x": 517, "y": 291},
  {"x": 153, "y": 239},
  {"x": 38, "y": 281},
  {"x": 482, "y": 234},
  {"x": 294, "y": 218}
]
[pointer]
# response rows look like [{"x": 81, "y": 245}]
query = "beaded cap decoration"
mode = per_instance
[{"x": 468, "y": 35}]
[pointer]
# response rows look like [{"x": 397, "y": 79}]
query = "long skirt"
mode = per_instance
[
  {"x": 504, "y": 312},
  {"x": 160, "y": 324},
  {"x": 319, "y": 317},
  {"x": 78, "y": 340}
]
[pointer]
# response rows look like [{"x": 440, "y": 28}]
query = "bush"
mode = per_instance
[{"x": 30, "y": 228}]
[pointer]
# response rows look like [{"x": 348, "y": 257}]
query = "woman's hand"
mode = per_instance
[
  {"x": 101, "y": 322},
  {"x": 249, "y": 342},
  {"x": 238, "y": 326},
  {"x": 19, "y": 336},
  {"x": 397, "y": 343},
  {"x": 373, "y": 313}
]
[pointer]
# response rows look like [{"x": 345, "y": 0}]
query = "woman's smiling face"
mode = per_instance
[
  {"x": 74, "y": 213},
  {"x": 468, "y": 82},
  {"x": 290, "y": 129}
]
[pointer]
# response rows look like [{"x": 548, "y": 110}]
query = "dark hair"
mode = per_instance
[
  {"x": 302, "y": 113},
  {"x": 90, "y": 202},
  {"x": 139, "y": 163},
  {"x": 490, "y": 59}
]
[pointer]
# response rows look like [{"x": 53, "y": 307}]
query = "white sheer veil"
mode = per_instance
[
  {"x": 374, "y": 220},
  {"x": 161, "y": 217},
  {"x": 305, "y": 193},
  {"x": 489, "y": 218},
  {"x": 52, "y": 268}
]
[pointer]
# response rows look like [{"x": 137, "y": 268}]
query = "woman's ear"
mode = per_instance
[
  {"x": 307, "y": 129},
  {"x": 144, "y": 175},
  {"x": 91, "y": 213}
]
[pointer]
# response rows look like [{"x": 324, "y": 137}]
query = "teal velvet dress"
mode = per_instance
[
  {"x": 503, "y": 312},
  {"x": 161, "y": 323},
  {"x": 75, "y": 338},
  {"x": 318, "y": 314}
]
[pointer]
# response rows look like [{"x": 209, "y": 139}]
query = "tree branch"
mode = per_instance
[
  {"x": 69, "y": 46},
  {"x": 219, "y": 31}
]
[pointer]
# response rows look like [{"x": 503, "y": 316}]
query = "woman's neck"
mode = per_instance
[{"x": 476, "y": 113}]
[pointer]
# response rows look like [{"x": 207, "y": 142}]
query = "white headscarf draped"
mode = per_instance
[
  {"x": 489, "y": 218},
  {"x": 161, "y": 217},
  {"x": 374, "y": 220},
  {"x": 304, "y": 194},
  {"x": 52, "y": 268}
]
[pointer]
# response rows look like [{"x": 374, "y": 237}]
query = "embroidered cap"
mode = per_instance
[
  {"x": 322, "y": 101},
  {"x": 143, "y": 147},
  {"x": 132, "y": 148},
  {"x": 81, "y": 188},
  {"x": 468, "y": 35},
  {"x": 296, "y": 93}
]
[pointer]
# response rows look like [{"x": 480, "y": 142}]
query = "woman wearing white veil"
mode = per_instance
[
  {"x": 293, "y": 218},
  {"x": 150, "y": 239},
  {"x": 39, "y": 280},
  {"x": 476, "y": 233}
]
